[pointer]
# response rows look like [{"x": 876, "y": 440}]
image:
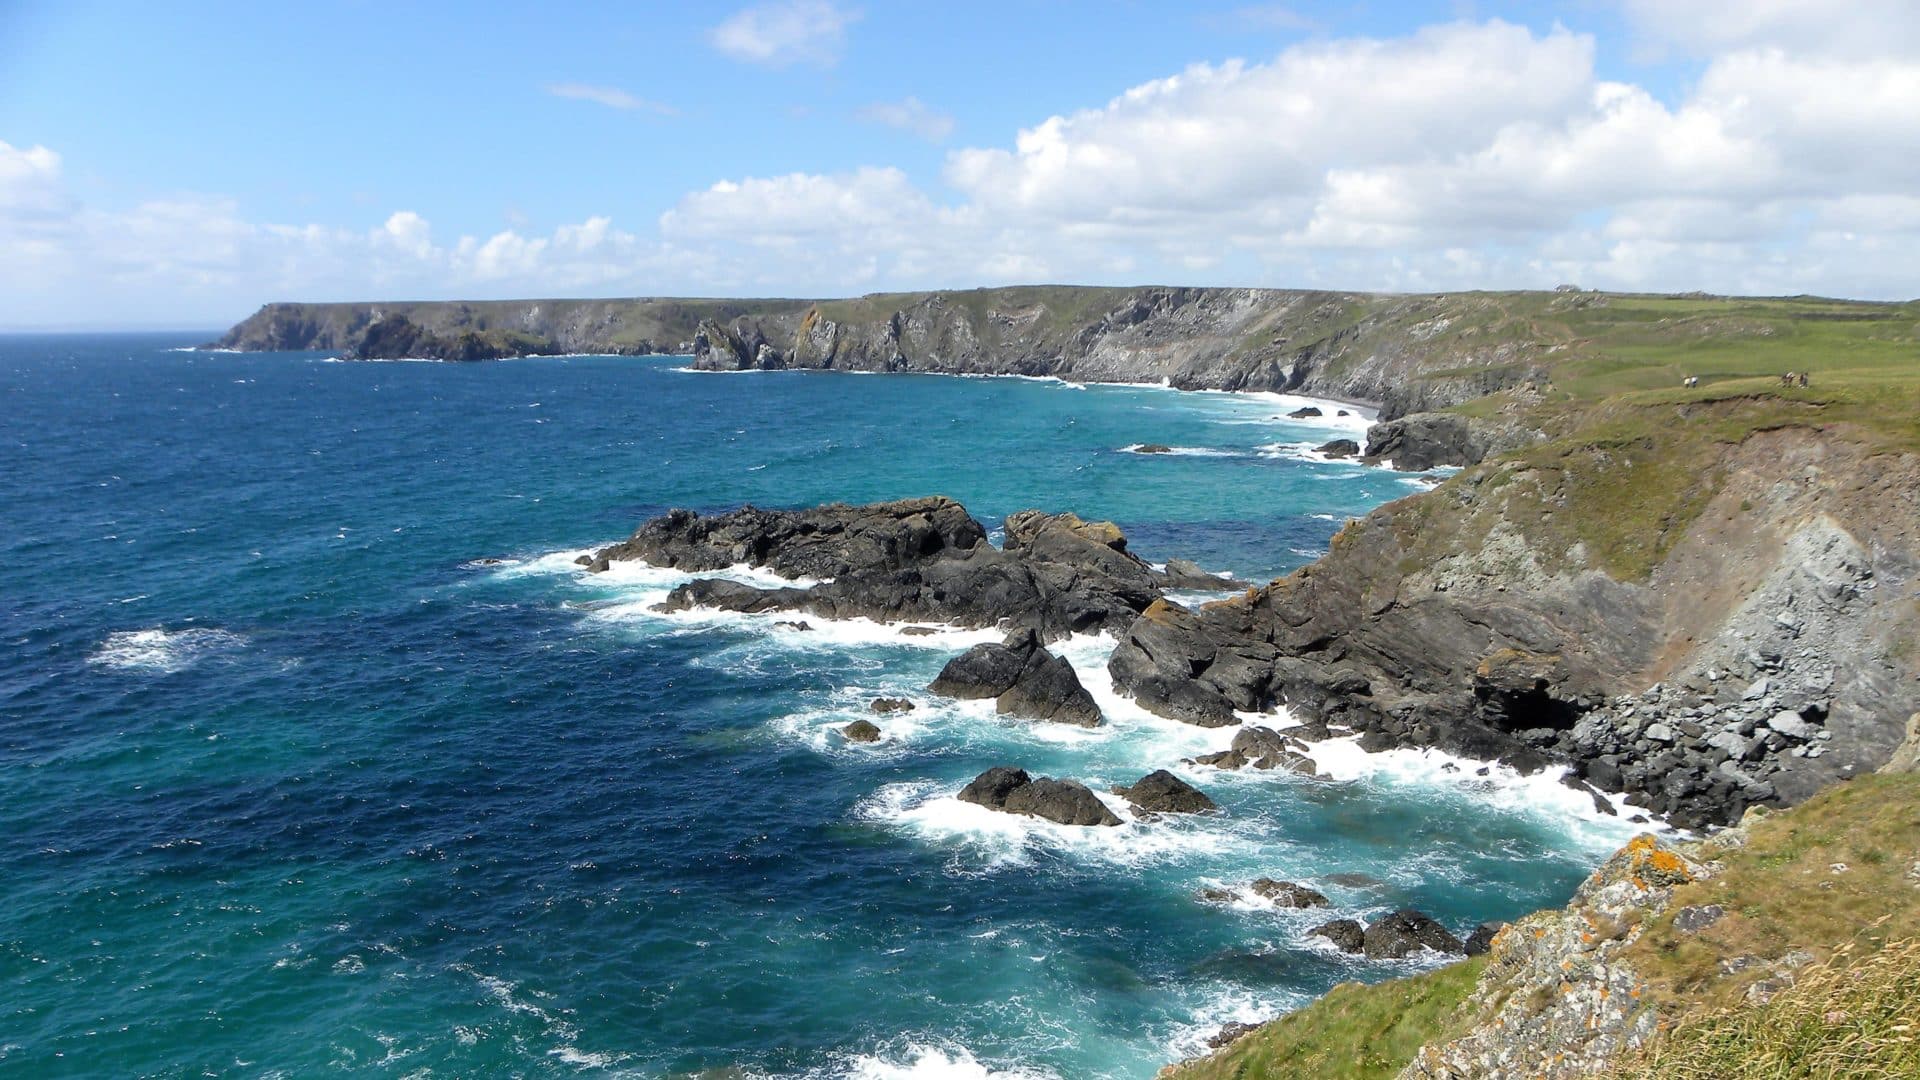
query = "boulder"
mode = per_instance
[
  {"x": 891, "y": 705},
  {"x": 1024, "y": 679},
  {"x": 1392, "y": 937},
  {"x": 861, "y": 731},
  {"x": 1339, "y": 448},
  {"x": 1345, "y": 934},
  {"x": 1011, "y": 790},
  {"x": 1152, "y": 448},
  {"x": 1305, "y": 413},
  {"x": 1161, "y": 792},
  {"x": 1286, "y": 894}
]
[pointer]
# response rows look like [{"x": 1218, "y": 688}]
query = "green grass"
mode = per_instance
[{"x": 1354, "y": 1032}]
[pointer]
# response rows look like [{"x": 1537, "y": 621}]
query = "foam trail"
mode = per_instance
[{"x": 163, "y": 651}]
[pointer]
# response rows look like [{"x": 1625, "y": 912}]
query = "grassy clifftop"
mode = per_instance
[{"x": 1806, "y": 965}]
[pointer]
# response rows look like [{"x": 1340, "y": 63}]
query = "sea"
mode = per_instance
[{"x": 320, "y": 756}]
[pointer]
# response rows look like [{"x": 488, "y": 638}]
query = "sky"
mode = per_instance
[{"x": 178, "y": 165}]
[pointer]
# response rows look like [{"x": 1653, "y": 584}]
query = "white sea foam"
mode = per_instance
[
  {"x": 924, "y": 1061},
  {"x": 1182, "y": 451},
  {"x": 161, "y": 650}
]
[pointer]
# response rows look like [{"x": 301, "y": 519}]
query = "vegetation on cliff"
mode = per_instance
[{"x": 1786, "y": 948}]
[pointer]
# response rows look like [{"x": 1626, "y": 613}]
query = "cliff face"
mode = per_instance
[
  {"x": 1701, "y": 624},
  {"x": 1374, "y": 348},
  {"x": 1364, "y": 347},
  {"x": 461, "y": 330}
]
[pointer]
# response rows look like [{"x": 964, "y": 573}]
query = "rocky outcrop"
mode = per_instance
[
  {"x": 1557, "y": 998},
  {"x": 1023, "y": 678},
  {"x": 919, "y": 560},
  {"x": 1422, "y": 441},
  {"x": 1161, "y": 792},
  {"x": 1064, "y": 802},
  {"x": 1339, "y": 448},
  {"x": 861, "y": 731},
  {"x": 1263, "y": 748},
  {"x": 1288, "y": 894},
  {"x": 1390, "y": 937},
  {"x": 1751, "y": 659}
]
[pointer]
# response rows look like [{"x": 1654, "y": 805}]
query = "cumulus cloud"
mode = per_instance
[
  {"x": 611, "y": 96},
  {"x": 1860, "y": 27},
  {"x": 786, "y": 32},
  {"x": 1470, "y": 155},
  {"x": 911, "y": 115}
]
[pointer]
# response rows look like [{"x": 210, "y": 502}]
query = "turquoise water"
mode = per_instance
[{"x": 294, "y": 781}]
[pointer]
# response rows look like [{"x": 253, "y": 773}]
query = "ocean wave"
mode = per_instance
[
  {"x": 163, "y": 651},
  {"x": 920, "y": 1058}
]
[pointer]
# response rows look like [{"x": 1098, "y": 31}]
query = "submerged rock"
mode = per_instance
[
  {"x": 1152, "y": 448},
  {"x": 1161, "y": 792},
  {"x": 891, "y": 705},
  {"x": 1011, "y": 790}
]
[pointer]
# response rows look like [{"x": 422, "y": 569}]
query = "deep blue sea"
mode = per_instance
[{"x": 318, "y": 755}]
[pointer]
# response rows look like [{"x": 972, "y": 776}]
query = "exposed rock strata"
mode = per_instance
[{"x": 1756, "y": 663}]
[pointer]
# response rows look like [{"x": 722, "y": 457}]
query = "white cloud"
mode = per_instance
[
  {"x": 1852, "y": 27},
  {"x": 611, "y": 96},
  {"x": 911, "y": 115},
  {"x": 1467, "y": 155},
  {"x": 786, "y": 32}
]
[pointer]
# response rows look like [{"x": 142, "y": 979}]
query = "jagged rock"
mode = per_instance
[
  {"x": 1346, "y": 934},
  {"x": 918, "y": 560},
  {"x": 1481, "y": 939},
  {"x": 1792, "y": 725},
  {"x": 1286, "y": 894},
  {"x": 1422, "y": 441},
  {"x": 861, "y": 731},
  {"x": 991, "y": 788},
  {"x": 891, "y": 705},
  {"x": 1692, "y": 920},
  {"x": 1161, "y": 792},
  {"x": 986, "y": 670},
  {"x": 1394, "y": 936},
  {"x": 1339, "y": 448},
  {"x": 1024, "y": 679}
]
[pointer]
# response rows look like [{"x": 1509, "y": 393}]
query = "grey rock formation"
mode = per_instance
[
  {"x": 1287, "y": 894},
  {"x": 1024, "y": 679},
  {"x": 1404, "y": 932}
]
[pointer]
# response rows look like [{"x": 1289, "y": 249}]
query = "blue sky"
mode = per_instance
[{"x": 181, "y": 164}]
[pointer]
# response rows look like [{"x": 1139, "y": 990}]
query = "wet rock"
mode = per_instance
[
  {"x": 891, "y": 705},
  {"x": 1286, "y": 894},
  {"x": 1161, "y": 792},
  {"x": 1346, "y": 934},
  {"x": 1339, "y": 448},
  {"x": 1395, "y": 936},
  {"x": 1152, "y": 448},
  {"x": 861, "y": 731},
  {"x": 1062, "y": 801},
  {"x": 1305, "y": 413}
]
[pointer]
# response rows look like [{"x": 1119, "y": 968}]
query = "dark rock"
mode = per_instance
[
  {"x": 1286, "y": 894},
  {"x": 801, "y": 625},
  {"x": 1345, "y": 934},
  {"x": 1353, "y": 880},
  {"x": 917, "y": 631},
  {"x": 1161, "y": 792},
  {"x": 1339, "y": 448},
  {"x": 1048, "y": 689},
  {"x": 598, "y": 565},
  {"x": 991, "y": 788},
  {"x": 1213, "y": 894},
  {"x": 1481, "y": 939},
  {"x": 1392, "y": 937},
  {"x": 986, "y": 670},
  {"x": 1305, "y": 413},
  {"x": 1152, "y": 448},
  {"x": 861, "y": 731},
  {"x": 1062, "y": 801},
  {"x": 1421, "y": 441},
  {"x": 1231, "y": 1033},
  {"x": 891, "y": 705}
]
